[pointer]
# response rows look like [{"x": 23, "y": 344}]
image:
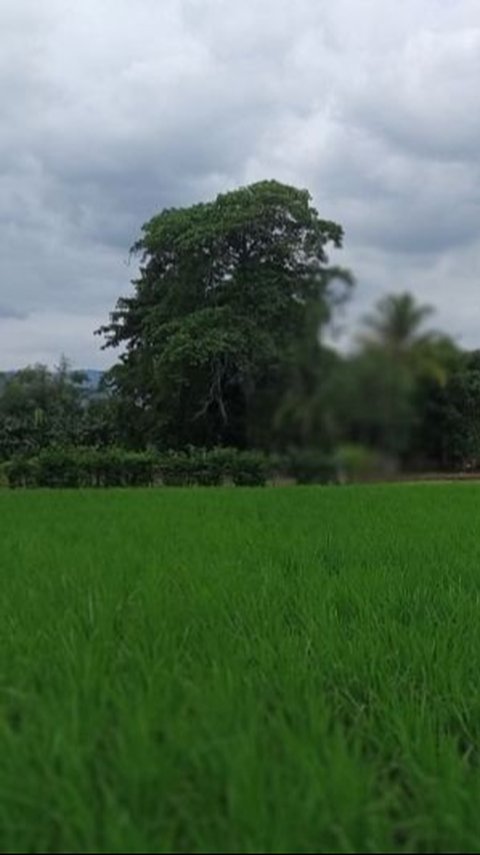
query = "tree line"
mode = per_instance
[{"x": 223, "y": 343}]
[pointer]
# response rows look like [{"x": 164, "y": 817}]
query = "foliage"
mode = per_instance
[
  {"x": 396, "y": 324},
  {"x": 248, "y": 469},
  {"x": 229, "y": 293},
  {"x": 358, "y": 463},
  {"x": 41, "y": 409},
  {"x": 21, "y": 472},
  {"x": 310, "y": 466},
  {"x": 448, "y": 431},
  {"x": 381, "y": 385},
  {"x": 81, "y": 467},
  {"x": 116, "y": 467},
  {"x": 406, "y": 397}
]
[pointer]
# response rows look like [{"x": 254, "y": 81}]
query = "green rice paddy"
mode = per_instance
[{"x": 210, "y": 670}]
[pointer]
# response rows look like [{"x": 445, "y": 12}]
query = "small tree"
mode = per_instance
[{"x": 40, "y": 408}]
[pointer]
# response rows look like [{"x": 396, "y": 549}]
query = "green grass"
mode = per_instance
[{"x": 226, "y": 670}]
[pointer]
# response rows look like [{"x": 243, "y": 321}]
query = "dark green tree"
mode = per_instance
[
  {"x": 386, "y": 380},
  {"x": 40, "y": 408},
  {"x": 448, "y": 432},
  {"x": 230, "y": 301}
]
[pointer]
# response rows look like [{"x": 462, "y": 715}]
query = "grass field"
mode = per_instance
[{"x": 237, "y": 670}]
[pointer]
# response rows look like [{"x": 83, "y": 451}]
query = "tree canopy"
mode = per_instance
[
  {"x": 230, "y": 295},
  {"x": 40, "y": 408}
]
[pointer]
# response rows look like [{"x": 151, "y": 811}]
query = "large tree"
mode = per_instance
[{"x": 226, "y": 312}]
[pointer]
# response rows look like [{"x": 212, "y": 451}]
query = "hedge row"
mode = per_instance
[
  {"x": 114, "y": 467},
  {"x": 119, "y": 468}
]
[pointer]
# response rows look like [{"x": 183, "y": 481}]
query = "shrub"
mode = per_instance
[
  {"x": 139, "y": 468},
  {"x": 208, "y": 468},
  {"x": 213, "y": 467},
  {"x": 359, "y": 463},
  {"x": 309, "y": 466},
  {"x": 249, "y": 469},
  {"x": 176, "y": 469},
  {"x": 115, "y": 467},
  {"x": 21, "y": 472},
  {"x": 58, "y": 467}
]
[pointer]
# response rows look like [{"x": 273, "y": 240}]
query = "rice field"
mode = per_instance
[{"x": 228, "y": 670}]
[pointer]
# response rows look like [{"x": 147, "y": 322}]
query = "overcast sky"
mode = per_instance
[{"x": 113, "y": 109}]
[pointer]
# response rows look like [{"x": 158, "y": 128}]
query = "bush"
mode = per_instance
[
  {"x": 139, "y": 468},
  {"x": 359, "y": 463},
  {"x": 312, "y": 467},
  {"x": 3, "y": 476},
  {"x": 115, "y": 467},
  {"x": 176, "y": 469},
  {"x": 21, "y": 472},
  {"x": 212, "y": 468},
  {"x": 248, "y": 469},
  {"x": 82, "y": 467},
  {"x": 209, "y": 467},
  {"x": 58, "y": 467}
]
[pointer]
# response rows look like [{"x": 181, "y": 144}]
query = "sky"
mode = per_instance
[{"x": 111, "y": 110}]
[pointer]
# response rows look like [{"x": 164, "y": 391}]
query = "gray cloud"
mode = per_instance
[
  {"x": 113, "y": 109},
  {"x": 10, "y": 313}
]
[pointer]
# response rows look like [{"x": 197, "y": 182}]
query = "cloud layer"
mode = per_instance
[{"x": 112, "y": 109}]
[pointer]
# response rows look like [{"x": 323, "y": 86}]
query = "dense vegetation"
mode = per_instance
[
  {"x": 223, "y": 345},
  {"x": 115, "y": 467},
  {"x": 240, "y": 671},
  {"x": 225, "y": 319}
]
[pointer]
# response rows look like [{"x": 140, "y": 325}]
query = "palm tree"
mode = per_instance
[
  {"x": 396, "y": 357},
  {"x": 397, "y": 322},
  {"x": 395, "y": 329}
]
